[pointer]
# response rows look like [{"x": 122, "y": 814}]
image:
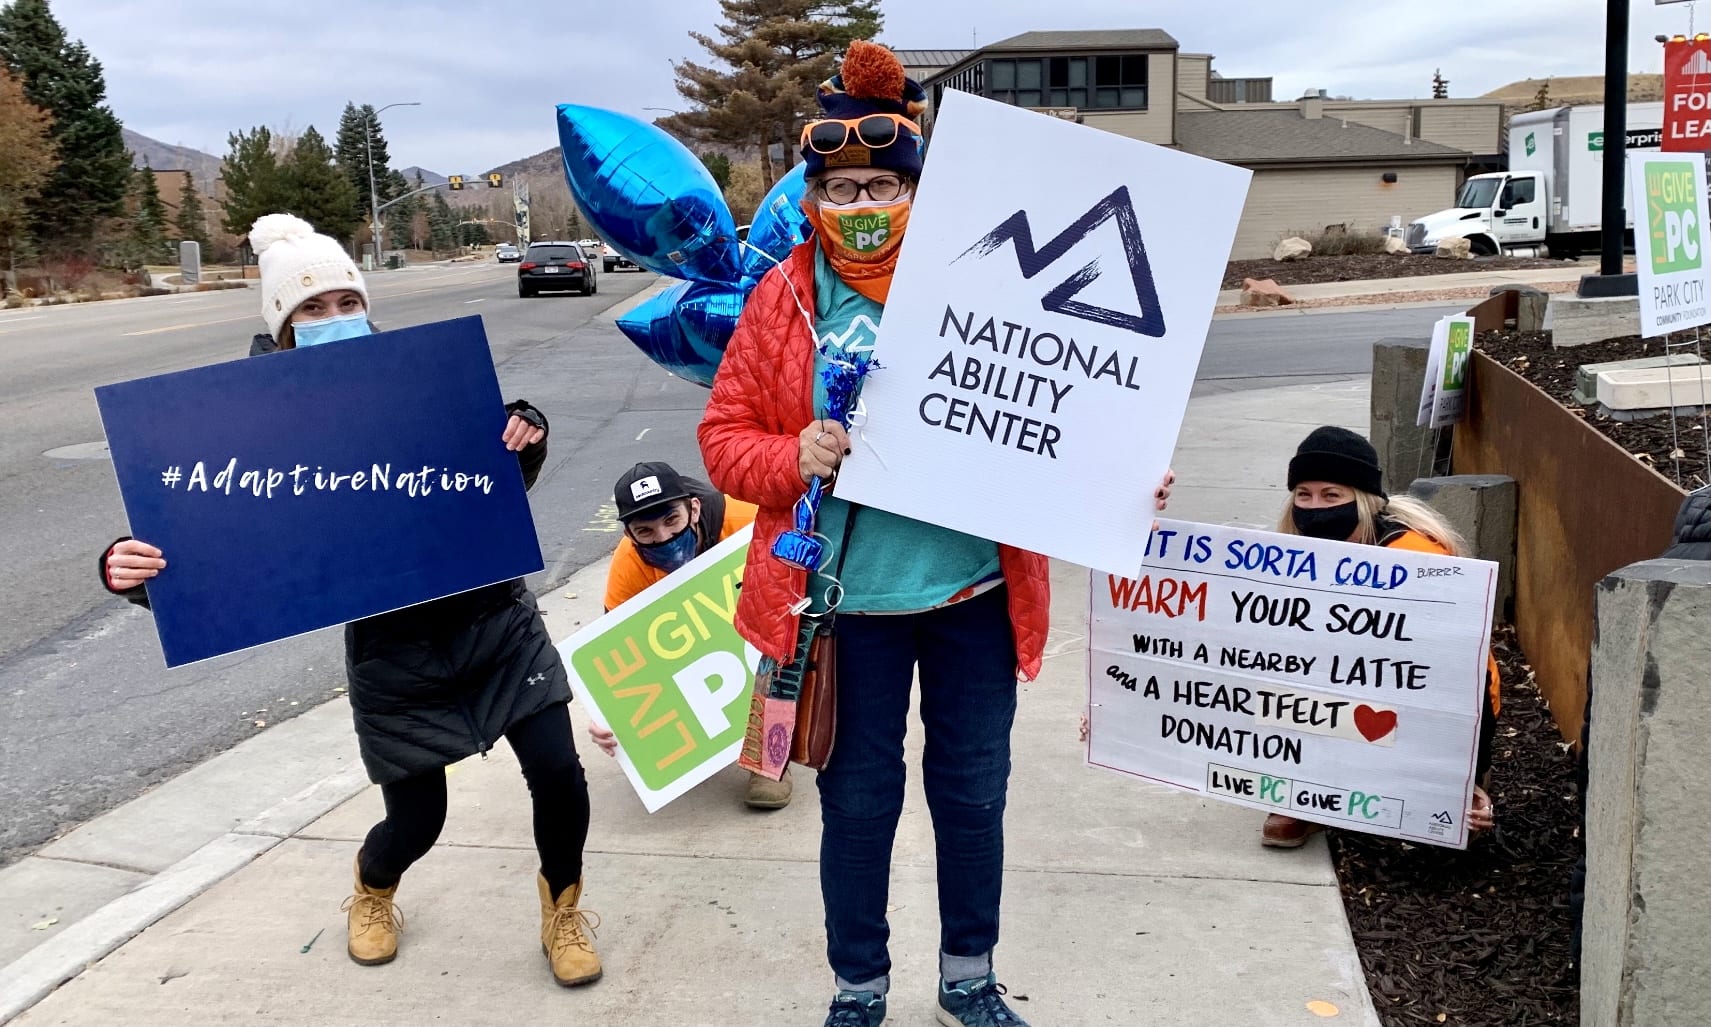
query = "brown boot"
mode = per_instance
[
  {"x": 765, "y": 793},
  {"x": 374, "y": 923},
  {"x": 1283, "y": 832},
  {"x": 567, "y": 935}
]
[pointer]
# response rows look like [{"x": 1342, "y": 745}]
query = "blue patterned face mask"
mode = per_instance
[
  {"x": 331, "y": 329},
  {"x": 671, "y": 554}
]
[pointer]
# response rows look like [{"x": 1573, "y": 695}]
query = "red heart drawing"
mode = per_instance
[{"x": 1374, "y": 724}]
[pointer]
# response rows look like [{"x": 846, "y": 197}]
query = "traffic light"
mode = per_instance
[
  {"x": 455, "y": 181},
  {"x": 495, "y": 180}
]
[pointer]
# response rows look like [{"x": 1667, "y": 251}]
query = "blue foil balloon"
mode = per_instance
[
  {"x": 779, "y": 225},
  {"x": 685, "y": 328},
  {"x": 652, "y": 199}
]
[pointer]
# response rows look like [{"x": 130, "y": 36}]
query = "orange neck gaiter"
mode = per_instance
[{"x": 861, "y": 241}]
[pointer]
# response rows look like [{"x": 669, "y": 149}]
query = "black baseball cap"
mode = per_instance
[{"x": 648, "y": 487}]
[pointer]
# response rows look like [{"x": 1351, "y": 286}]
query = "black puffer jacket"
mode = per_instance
[
  {"x": 434, "y": 683},
  {"x": 1692, "y": 529}
]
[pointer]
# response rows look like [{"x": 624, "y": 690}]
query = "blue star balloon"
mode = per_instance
[
  {"x": 779, "y": 225},
  {"x": 685, "y": 328},
  {"x": 650, "y": 198}
]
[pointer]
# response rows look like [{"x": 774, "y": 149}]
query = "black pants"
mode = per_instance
[{"x": 416, "y": 807}]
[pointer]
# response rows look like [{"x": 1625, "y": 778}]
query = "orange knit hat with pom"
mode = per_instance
[{"x": 871, "y": 81}]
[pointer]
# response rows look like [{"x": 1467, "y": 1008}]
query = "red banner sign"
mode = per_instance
[{"x": 1687, "y": 95}]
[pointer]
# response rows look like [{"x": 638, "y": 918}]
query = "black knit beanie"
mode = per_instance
[{"x": 1339, "y": 456}]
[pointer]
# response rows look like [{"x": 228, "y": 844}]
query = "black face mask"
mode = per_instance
[{"x": 1335, "y": 523}]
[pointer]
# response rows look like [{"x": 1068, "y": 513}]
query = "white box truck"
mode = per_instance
[{"x": 1550, "y": 201}]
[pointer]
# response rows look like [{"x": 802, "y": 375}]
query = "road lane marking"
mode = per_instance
[
  {"x": 194, "y": 324},
  {"x": 644, "y": 432}
]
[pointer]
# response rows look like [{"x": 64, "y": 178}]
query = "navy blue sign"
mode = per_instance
[{"x": 311, "y": 487}]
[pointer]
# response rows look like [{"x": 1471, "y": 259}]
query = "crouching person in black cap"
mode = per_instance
[
  {"x": 670, "y": 520},
  {"x": 1336, "y": 492}
]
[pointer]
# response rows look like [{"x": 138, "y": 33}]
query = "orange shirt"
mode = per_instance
[
  {"x": 1414, "y": 542},
  {"x": 630, "y": 574}
]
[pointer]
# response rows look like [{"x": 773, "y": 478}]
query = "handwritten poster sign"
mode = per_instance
[
  {"x": 311, "y": 487},
  {"x": 669, "y": 676},
  {"x": 1326, "y": 681},
  {"x": 1670, "y": 240},
  {"x": 1049, "y": 308}
]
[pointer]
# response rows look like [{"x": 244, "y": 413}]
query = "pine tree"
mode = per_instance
[
  {"x": 147, "y": 237},
  {"x": 316, "y": 190},
  {"x": 191, "y": 223},
  {"x": 255, "y": 185},
  {"x": 27, "y": 159},
  {"x": 774, "y": 54},
  {"x": 94, "y": 170},
  {"x": 442, "y": 223},
  {"x": 352, "y": 147},
  {"x": 400, "y": 217}
]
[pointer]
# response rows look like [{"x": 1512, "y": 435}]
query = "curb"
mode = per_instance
[{"x": 37, "y": 973}]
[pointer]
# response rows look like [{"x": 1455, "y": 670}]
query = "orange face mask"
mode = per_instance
[{"x": 861, "y": 241}]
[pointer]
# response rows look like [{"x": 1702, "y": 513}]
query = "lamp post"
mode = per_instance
[
  {"x": 1610, "y": 280},
  {"x": 373, "y": 194}
]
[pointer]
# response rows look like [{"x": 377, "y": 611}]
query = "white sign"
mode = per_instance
[
  {"x": 1042, "y": 332},
  {"x": 1326, "y": 681},
  {"x": 1670, "y": 227},
  {"x": 1443, "y": 393}
]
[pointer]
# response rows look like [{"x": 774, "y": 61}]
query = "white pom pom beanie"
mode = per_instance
[{"x": 297, "y": 263}]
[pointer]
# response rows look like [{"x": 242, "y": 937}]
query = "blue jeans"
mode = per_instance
[{"x": 967, "y": 659}]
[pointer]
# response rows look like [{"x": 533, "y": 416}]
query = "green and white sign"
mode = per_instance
[
  {"x": 1443, "y": 395},
  {"x": 1670, "y": 227},
  {"x": 668, "y": 674}
]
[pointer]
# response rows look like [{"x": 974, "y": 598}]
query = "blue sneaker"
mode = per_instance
[
  {"x": 856, "y": 1009},
  {"x": 976, "y": 1003}
]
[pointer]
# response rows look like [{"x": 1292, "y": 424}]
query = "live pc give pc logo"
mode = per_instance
[{"x": 1672, "y": 206}]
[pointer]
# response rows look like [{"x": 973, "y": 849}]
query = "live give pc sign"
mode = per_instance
[{"x": 1042, "y": 333}]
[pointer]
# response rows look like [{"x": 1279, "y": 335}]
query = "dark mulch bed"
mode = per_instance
[
  {"x": 1482, "y": 936},
  {"x": 1361, "y": 266},
  {"x": 1653, "y": 440}
]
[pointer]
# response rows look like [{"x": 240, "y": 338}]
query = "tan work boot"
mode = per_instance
[
  {"x": 765, "y": 793},
  {"x": 1281, "y": 832},
  {"x": 567, "y": 935},
  {"x": 374, "y": 923}
]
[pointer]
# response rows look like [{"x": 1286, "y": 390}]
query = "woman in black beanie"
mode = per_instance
[{"x": 1336, "y": 491}]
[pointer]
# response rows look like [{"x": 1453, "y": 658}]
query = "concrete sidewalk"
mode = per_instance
[{"x": 214, "y": 899}]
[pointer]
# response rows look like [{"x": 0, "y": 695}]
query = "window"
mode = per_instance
[
  {"x": 1115, "y": 80},
  {"x": 1519, "y": 191},
  {"x": 1120, "y": 81}
]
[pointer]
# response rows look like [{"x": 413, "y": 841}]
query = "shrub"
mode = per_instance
[{"x": 1342, "y": 240}]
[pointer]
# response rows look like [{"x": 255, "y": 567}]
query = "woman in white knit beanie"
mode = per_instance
[
  {"x": 433, "y": 683},
  {"x": 311, "y": 290}
]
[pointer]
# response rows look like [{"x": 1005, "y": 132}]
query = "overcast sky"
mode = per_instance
[{"x": 488, "y": 73}]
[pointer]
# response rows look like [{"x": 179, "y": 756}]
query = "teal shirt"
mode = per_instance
[{"x": 895, "y": 563}]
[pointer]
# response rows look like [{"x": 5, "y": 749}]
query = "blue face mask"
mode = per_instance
[
  {"x": 331, "y": 329},
  {"x": 671, "y": 554}
]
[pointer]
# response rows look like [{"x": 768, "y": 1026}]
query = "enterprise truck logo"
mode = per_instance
[{"x": 1637, "y": 139}]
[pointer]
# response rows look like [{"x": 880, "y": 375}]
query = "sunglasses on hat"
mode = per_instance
[{"x": 875, "y": 131}]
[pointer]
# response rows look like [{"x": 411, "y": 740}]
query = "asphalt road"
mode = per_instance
[{"x": 89, "y": 716}]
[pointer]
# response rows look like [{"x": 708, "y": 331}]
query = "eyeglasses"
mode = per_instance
[
  {"x": 875, "y": 131},
  {"x": 879, "y": 189}
]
